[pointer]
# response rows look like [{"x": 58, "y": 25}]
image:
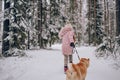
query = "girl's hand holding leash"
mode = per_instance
[{"x": 72, "y": 44}]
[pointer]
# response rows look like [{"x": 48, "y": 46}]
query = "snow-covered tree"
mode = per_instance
[
  {"x": 95, "y": 27},
  {"x": 15, "y": 28},
  {"x": 111, "y": 42}
]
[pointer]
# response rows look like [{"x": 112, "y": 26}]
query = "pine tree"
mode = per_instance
[
  {"x": 99, "y": 33},
  {"x": 110, "y": 46},
  {"x": 54, "y": 21},
  {"x": 16, "y": 28},
  {"x": 95, "y": 29},
  {"x": 30, "y": 19}
]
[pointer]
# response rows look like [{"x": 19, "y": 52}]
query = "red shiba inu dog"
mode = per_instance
[{"x": 77, "y": 71}]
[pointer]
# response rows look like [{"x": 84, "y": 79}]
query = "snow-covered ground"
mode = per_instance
[{"x": 48, "y": 65}]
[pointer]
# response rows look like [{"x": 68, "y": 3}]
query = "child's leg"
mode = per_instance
[
  {"x": 65, "y": 63},
  {"x": 70, "y": 58},
  {"x": 65, "y": 60}
]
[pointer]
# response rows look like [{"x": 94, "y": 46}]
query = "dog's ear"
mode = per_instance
[
  {"x": 79, "y": 60},
  {"x": 88, "y": 59}
]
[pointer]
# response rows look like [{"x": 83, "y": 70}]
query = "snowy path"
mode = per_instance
[{"x": 48, "y": 65}]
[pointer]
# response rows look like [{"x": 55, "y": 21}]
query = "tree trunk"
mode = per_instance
[
  {"x": 28, "y": 46},
  {"x": 89, "y": 23},
  {"x": 118, "y": 17},
  {"x": 105, "y": 17},
  {"x": 108, "y": 23},
  {"x": 1, "y": 21},
  {"x": 6, "y": 23},
  {"x": 95, "y": 22},
  {"x": 40, "y": 40}
]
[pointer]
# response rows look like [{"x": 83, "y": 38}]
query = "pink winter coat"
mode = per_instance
[{"x": 66, "y": 34}]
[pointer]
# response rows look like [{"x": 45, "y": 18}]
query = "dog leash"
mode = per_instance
[{"x": 77, "y": 53}]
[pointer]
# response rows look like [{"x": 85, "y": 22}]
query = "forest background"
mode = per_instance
[{"x": 34, "y": 24}]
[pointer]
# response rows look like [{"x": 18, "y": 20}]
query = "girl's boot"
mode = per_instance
[{"x": 65, "y": 69}]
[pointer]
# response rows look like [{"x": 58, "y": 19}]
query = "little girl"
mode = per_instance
[{"x": 67, "y": 36}]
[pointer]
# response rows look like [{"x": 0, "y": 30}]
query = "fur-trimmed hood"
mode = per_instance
[{"x": 64, "y": 30}]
